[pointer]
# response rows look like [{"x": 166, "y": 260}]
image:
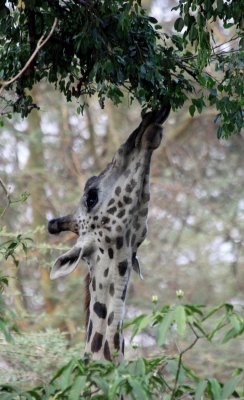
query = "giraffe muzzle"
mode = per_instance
[
  {"x": 67, "y": 223},
  {"x": 149, "y": 133}
]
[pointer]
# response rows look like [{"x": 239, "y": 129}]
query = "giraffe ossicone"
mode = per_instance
[{"x": 111, "y": 223}]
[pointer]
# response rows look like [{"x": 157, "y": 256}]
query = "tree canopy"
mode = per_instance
[{"x": 114, "y": 48}]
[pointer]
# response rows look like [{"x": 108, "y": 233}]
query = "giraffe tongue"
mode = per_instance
[{"x": 136, "y": 266}]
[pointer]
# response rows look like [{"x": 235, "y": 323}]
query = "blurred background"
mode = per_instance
[{"x": 196, "y": 223}]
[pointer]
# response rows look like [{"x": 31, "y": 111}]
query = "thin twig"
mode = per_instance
[
  {"x": 228, "y": 41},
  {"x": 41, "y": 42},
  {"x": 179, "y": 364}
]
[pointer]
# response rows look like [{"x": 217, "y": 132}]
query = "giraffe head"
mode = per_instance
[
  {"x": 111, "y": 215},
  {"x": 110, "y": 222}
]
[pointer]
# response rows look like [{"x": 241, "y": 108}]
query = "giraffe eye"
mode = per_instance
[{"x": 91, "y": 198}]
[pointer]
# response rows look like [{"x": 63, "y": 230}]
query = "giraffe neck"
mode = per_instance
[{"x": 108, "y": 286}]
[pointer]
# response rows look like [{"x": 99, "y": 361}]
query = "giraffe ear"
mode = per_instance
[{"x": 66, "y": 263}]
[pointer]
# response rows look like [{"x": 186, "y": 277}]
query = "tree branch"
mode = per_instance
[{"x": 41, "y": 42}]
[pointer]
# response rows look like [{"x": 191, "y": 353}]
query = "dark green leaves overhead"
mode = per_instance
[{"x": 110, "y": 48}]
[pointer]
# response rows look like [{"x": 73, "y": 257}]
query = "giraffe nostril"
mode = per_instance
[{"x": 53, "y": 226}]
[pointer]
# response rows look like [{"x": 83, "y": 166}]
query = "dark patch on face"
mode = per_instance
[
  {"x": 107, "y": 239},
  {"x": 105, "y": 274},
  {"x": 124, "y": 293},
  {"x": 111, "y": 289},
  {"x": 118, "y": 190},
  {"x": 100, "y": 233},
  {"x": 112, "y": 210},
  {"x": 111, "y": 202},
  {"x": 100, "y": 286},
  {"x": 119, "y": 242},
  {"x": 108, "y": 228},
  {"x": 101, "y": 250},
  {"x": 96, "y": 342},
  {"x": 127, "y": 200},
  {"x": 110, "y": 318},
  {"x": 123, "y": 267},
  {"x": 100, "y": 309},
  {"x": 98, "y": 258},
  {"x": 105, "y": 220},
  {"x": 106, "y": 351},
  {"x": 94, "y": 284},
  {"x": 95, "y": 218},
  {"x": 121, "y": 214},
  {"x": 93, "y": 226},
  {"x": 89, "y": 331},
  {"x": 116, "y": 341},
  {"x": 110, "y": 253},
  {"x": 120, "y": 204},
  {"x": 127, "y": 237},
  {"x": 133, "y": 239}
]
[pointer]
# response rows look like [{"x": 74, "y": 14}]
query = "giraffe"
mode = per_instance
[{"x": 111, "y": 223}]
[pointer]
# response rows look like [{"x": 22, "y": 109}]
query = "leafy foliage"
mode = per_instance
[
  {"x": 149, "y": 378},
  {"x": 111, "y": 48},
  {"x": 8, "y": 249}
]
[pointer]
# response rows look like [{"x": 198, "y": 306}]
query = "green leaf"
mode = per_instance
[
  {"x": 215, "y": 388},
  {"x": 77, "y": 387},
  {"x": 139, "y": 323},
  {"x": 137, "y": 390},
  {"x": 101, "y": 383},
  {"x": 228, "y": 388},
  {"x": 66, "y": 374},
  {"x": 180, "y": 319},
  {"x": 137, "y": 368},
  {"x": 179, "y": 24},
  {"x": 235, "y": 322},
  {"x": 220, "y": 5},
  {"x": 117, "y": 382},
  {"x": 164, "y": 327},
  {"x": 218, "y": 325},
  {"x": 192, "y": 109},
  {"x": 200, "y": 390},
  {"x": 213, "y": 311}
]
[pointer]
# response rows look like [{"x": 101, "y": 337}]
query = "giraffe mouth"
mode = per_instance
[
  {"x": 67, "y": 223},
  {"x": 149, "y": 133}
]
